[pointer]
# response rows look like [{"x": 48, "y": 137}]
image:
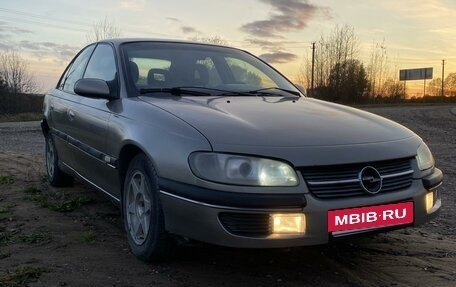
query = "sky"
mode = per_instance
[{"x": 417, "y": 34}]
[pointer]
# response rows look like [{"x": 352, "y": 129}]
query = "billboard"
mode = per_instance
[{"x": 415, "y": 74}]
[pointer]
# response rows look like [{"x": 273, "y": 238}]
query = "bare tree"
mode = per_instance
[
  {"x": 340, "y": 46},
  {"x": 393, "y": 89},
  {"x": 450, "y": 85},
  {"x": 15, "y": 73},
  {"x": 217, "y": 40},
  {"x": 435, "y": 87},
  {"x": 3, "y": 85},
  {"x": 103, "y": 29},
  {"x": 377, "y": 69}
]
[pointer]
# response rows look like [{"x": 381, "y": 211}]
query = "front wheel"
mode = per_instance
[
  {"x": 142, "y": 212},
  {"x": 55, "y": 175}
]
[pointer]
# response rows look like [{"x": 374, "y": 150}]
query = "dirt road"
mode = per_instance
[{"x": 73, "y": 236}]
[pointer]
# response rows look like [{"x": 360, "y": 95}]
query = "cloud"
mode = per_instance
[
  {"x": 289, "y": 15},
  {"x": 7, "y": 33},
  {"x": 278, "y": 57},
  {"x": 62, "y": 52},
  {"x": 275, "y": 45},
  {"x": 265, "y": 44},
  {"x": 189, "y": 30},
  {"x": 133, "y": 5},
  {"x": 430, "y": 10},
  {"x": 184, "y": 28},
  {"x": 5, "y": 47},
  {"x": 5, "y": 28},
  {"x": 174, "y": 20}
]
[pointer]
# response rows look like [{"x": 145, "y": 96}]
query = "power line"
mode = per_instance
[
  {"x": 44, "y": 21},
  {"x": 34, "y": 22},
  {"x": 43, "y": 17}
]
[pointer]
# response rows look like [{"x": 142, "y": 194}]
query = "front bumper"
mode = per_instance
[{"x": 192, "y": 215}]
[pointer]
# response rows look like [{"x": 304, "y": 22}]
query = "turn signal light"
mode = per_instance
[{"x": 429, "y": 201}]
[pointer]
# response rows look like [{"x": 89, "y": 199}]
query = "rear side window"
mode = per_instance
[
  {"x": 102, "y": 64},
  {"x": 76, "y": 70}
]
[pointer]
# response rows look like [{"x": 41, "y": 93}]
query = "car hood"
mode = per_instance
[{"x": 280, "y": 122}]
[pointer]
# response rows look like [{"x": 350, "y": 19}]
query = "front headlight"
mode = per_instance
[
  {"x": 424, "y": 157},
  {"x": 242, "y": 170}
]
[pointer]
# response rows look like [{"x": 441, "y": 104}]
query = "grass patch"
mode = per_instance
[
  {"x": 7, "y": 179},
  {"x": 56, "y": 201},
  {"x": 21, "y": 117},
  {"x": 6, "y": 211},
  {"x": 89, "y": 237},
  {"x": 32, "y": 190},
  {"x": 7, "y": 236},
  {"x": 21, "y": 276},
  {"x": 36, "y": 237},
  {"x": 13, "y": 236},
  {"x": 4, "y": 255}
]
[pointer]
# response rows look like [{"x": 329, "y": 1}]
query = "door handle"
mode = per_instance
[{"x": 71, "y": 115}]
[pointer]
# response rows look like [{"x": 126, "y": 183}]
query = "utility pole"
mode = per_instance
[
  {"x": 443, "y": 76},
  {"x": 313, "y": 67}
]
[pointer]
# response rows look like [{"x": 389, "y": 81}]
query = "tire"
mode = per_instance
[
  {"x": 142, "y": 212},
  {"x": 55, "y": 175}
]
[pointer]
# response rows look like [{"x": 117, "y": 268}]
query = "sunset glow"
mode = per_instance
[{"x": 416, "y": 34}]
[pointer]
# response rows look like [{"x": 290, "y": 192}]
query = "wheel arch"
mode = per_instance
[
  {"x": 45, "y": 127},
  {"x": 126, "y": 154}
]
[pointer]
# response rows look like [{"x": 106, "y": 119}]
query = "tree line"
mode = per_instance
[
  {"x": 340, "y": 76},
  {"x": 17, "y": 85}
]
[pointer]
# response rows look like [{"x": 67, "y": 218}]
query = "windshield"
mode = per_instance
[{"x": 158, "y": 66}]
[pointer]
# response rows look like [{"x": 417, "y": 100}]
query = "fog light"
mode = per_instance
[
  {"x": 288, "y": 223},
  {"x": 429, "y": 201}
]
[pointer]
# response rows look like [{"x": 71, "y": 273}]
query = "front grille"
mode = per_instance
[
  {"x": 343, "y": 180},
  {"x": 246, "y": 224}
]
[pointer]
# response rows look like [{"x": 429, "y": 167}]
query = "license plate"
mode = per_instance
[{"x": 370, "y": 217}]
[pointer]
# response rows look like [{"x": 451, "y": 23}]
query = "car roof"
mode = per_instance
[{"x": 119, "y": 41}]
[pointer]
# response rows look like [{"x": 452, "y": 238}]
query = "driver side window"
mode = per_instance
[
  {"x": 76, "y": 70},
  {"x": 102, "y": 64}
]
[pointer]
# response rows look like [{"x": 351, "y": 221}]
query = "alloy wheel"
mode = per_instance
[
  {"x": 50, "y": 157},
  {"x": 138, "y": 208}
]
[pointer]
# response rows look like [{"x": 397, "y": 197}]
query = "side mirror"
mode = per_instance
[
  {"x": 94, "y": 88},
  {"x": 301, "y": 89}
]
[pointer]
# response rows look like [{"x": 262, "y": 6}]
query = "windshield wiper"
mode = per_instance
[
  {"x": 177, "y": 91},
  {"x": 222, "y": 92},
  {"x": 236, "y": 93},
  {"x": 263, "y": 90}
]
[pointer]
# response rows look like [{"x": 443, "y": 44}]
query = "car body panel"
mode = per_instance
[
  {"x": 90, "y": 120},
  {"x": 203, "y": 223},
  {"x": 242, "y": 121},
  {"x": 168, "y": 145}
]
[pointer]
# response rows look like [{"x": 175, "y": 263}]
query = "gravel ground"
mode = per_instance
[
  {"x": 21, "y": 137},
  {"x": 82, "y": 243}
]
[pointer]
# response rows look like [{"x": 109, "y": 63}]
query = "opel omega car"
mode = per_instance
[{"x": 210, "y": 143}]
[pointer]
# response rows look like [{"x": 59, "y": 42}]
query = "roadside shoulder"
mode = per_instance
[{"x": 453, "y": 111}]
